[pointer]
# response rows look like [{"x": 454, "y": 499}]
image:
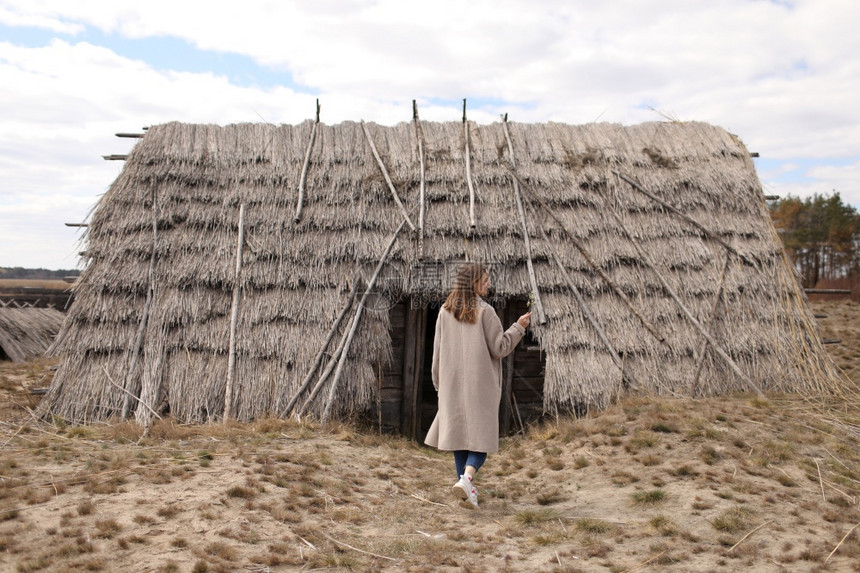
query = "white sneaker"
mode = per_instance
[{"x": 467, "y": 492}]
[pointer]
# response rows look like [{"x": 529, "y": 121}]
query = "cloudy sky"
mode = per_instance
[{"x": 784, "y": 75}]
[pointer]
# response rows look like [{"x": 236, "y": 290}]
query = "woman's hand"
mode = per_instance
[{"x": 524, "y": 320}]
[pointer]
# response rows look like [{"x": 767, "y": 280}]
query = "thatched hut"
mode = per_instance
[
  {"x": 232, "y": 270},
  {"x": 26, "y": 331}
]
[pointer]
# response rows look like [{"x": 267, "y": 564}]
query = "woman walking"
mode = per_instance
[{"x": 468, "y": 348}]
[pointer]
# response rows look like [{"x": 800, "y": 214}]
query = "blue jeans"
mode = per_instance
[{"x": 463, "y": 458}]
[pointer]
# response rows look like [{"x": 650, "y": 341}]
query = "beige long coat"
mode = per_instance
[{"x": 467, "y": 373}]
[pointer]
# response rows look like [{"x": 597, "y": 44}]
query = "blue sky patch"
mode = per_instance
[
  {"x": 795, "y": 170},
  {"x": 164, "y": 53},
  {"x": 482, "y": 103}
]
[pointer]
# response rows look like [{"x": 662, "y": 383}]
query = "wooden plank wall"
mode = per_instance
[
  {"x": 38, "y": 297},
  {"x": 391, "y": 384},
  {"x": 408, "y": 409},
  {"x": 527, "y": 377}
]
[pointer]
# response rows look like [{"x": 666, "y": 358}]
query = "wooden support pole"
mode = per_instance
[
  {"x": 705, "y": 232},
  {"x": 419, "y": 134},
  {"x": 234, "y": 314},
  {"x": 716, "y": 308},
  {"x": 355, "y": 322},
  {"x": 541, "y": 316},
  {"x": 505, "y": 410},
  {"x": 304, "y": 176},
  {"x": 76, "y": 224},
  {"x": 827, "y": 290},
  {"x": 415, "y": 321},
  {"x": 318, "y": 358},
  {"x": 131, "y": 135},
  {"x": 387, "y": 178},
  {"x": 141, "y": 330},
  {"x": 516, "y": 407},
  {"x": 468, "y": 154},
  {"x": 129, "y": 379},
  {"x": 329, "y": 367},
  {"x": 115, "y": 157}
]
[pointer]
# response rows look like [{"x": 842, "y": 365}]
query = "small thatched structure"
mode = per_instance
[
  {"x": 27, "y": 332},
  {"x": 229, "y": 268}
]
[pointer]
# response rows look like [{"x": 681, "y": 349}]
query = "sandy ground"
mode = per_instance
[{"x": 733, "y": 484}]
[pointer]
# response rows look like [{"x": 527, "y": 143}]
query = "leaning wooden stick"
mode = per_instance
[
  {"x": 840, "y": 543},
  {"x": 304, "y": 176},
  {"x": 234, "y": 313},
  {"x": 596, "y": 268},
  {"x": 318, "y": 358},
  {"x": 820, "y": 480},
  {"x": 541, "y": 316},
  {"x": 129, "y": 379},
  {"x": 589, "y": 316},
  {"x": 144, "y": 404},
  {"x": 387, "y": 178},
  {"x": 696, "y": 324},
  {"x": 341, "y": 543},
  {"x": 468, "y": 154},
  {"x": 419, "y": 135},
  {"x": 717, "y": 305},
  {"x": 329, "y": 368},
  {"x": 748, "y": 534},
  {"x": 704, "y": 230},
  {"x": 355, "y": 321}
]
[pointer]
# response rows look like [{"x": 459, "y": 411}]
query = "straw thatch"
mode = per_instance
[
  {"x": 27, "y": 332},
  {"x": 661, "y": 230}
]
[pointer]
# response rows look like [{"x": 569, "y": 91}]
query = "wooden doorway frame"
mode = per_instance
[
  {"x": 414, "y": 354},
  {"x": 413, "y": 362}
]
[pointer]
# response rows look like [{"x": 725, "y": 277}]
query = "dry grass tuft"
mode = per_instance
[
  {"x": 594, "y": 526},
  {"x": 535, "y": 516},
  {"x": 733, "y": 520},
  {"x": 651, "y": 497}
]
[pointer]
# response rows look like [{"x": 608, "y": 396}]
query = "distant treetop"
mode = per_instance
[{"x": 22, "y": 273}]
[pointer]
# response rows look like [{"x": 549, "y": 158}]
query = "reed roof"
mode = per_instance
[
  {"x": 643, "y": 210},
  {"x": 27, "y": 332}
]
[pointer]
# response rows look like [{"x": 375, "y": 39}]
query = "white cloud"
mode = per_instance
[
  {"x": 845, "y": 179},
  {"x": 783, "y": 76},
  {"x": 17, "y": 17},
  {"x": 69, "y": 101},
  {"x": 820, "y": 179}
]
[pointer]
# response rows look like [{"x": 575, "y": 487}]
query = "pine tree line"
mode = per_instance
[
  {"x": 821, "y": 235},
  {"x": 38, "y": 274}
]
